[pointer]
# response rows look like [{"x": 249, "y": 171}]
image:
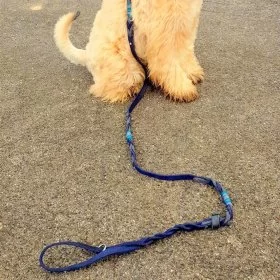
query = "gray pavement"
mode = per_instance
[{"x": 64, "y": 165}]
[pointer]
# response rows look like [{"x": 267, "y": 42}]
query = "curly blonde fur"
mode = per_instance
[{"x": 165, "y": 32}]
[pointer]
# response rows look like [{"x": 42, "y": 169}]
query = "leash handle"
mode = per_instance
[
  {"x": 90, "y": 249},
  {"x": 102, "y": 252}
]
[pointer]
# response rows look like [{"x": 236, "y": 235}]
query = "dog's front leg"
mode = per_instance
[
  {"x": 167, "y": 71},
  {"x": 171, "y": 31}
]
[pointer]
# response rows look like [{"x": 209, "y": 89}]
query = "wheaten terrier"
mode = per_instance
[{"x": 165, "y": 32}]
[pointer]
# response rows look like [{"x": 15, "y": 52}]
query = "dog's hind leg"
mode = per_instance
[{"x": 191, "y": 65}]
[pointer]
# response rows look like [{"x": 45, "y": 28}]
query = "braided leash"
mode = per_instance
[{"x": 102, "y": 252}]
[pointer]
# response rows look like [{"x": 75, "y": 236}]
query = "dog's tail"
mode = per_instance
[{"x": 61, "y": 37}]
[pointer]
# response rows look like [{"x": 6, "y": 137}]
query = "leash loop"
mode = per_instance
[{"x": 90, "y": 249}]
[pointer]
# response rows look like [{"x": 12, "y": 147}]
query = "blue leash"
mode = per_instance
[{"x": 102, "y": 252}]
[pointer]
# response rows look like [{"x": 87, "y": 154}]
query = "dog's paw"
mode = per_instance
[
  {"x": 109, "y": 95},
  {"x": 196, "y": 75},
  {"x": 188, "y": 94}
]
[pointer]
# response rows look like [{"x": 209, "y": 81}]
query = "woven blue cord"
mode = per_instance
[{"x": 101, "y": 253}]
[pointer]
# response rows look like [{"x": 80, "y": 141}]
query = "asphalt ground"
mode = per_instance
[{"x": 64, "y": 164}]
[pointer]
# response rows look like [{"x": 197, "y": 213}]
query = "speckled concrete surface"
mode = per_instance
[{"x": 64, "y": 164}]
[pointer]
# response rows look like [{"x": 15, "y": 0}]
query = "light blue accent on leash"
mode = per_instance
[
  {"x": 129, "y": 136},
  {"x": 226, "y": 198},
  {"x": 129, "y": 10}
]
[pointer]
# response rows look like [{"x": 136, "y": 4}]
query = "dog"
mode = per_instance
[{"x": 165, "y": 33}]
